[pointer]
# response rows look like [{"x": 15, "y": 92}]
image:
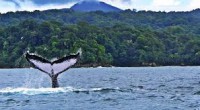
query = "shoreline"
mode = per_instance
[{"x": 116, "y": 67}]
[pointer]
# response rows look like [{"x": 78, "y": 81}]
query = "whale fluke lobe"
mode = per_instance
[
  {"x": 52, "y": 68},
  {"x": 64, "y": 63},
  {"x": 39, "y": 63}
]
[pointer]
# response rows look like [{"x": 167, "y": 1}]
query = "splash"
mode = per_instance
[{"x": 35, "y": 80}]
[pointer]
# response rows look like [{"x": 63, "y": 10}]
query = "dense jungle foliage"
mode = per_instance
[{"x": 127, "y": 38}]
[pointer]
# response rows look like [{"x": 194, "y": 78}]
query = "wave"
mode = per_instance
[{"x": 38, "y": 91}]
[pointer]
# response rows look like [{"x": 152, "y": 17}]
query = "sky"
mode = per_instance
[{"x": 154, "y": 5}]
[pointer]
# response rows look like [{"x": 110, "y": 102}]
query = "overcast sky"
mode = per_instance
[{"x": 154, "y": 5}]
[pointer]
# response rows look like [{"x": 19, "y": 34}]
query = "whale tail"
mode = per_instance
[{"x": 52, "y": 68}]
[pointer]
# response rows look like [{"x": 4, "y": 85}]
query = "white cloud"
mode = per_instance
[
  {"x": 166, "y": 3},
  {"x": 194, "y": 4},
  {"x": 28, "y": 5},
  {"x": 7, "y": 6},
  {"x": 155, "y": 5}
]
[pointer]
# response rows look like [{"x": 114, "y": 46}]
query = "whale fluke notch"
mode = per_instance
[{"x": 52, "y": 68}]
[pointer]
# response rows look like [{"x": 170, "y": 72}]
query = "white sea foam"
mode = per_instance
[{"x": 37, "y": 91}]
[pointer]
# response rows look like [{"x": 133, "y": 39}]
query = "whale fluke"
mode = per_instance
[{"x": 52, "y": 68}]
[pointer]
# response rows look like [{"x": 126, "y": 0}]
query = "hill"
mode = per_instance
[{"x": 88, "y": 6}]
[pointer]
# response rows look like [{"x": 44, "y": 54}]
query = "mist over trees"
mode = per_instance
[{"x": 127, "y": 38}]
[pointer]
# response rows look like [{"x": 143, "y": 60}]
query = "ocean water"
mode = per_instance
[{"x": 136, "y": 88}]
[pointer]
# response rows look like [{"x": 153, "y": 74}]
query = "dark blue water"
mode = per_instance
[{"x": 142, "y": 88}]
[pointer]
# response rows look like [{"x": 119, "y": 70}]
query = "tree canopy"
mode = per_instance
[{"x": 126, "y": 38}]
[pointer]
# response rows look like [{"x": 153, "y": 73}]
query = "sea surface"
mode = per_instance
[{"x": 116, "y": 88}]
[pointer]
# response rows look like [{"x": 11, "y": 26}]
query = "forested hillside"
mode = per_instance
[{"x": 126, "y": 38}]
